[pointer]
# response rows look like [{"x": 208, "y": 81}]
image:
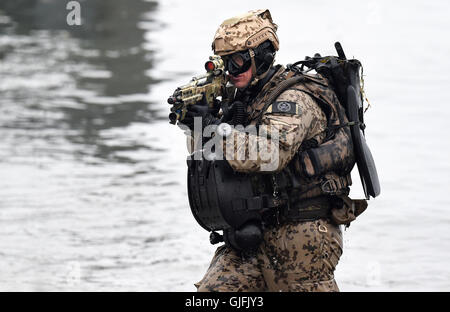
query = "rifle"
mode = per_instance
[{"x": 206, "y": 87}]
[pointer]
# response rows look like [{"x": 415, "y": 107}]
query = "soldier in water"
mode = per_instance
[{"x": 301, "y": 200}]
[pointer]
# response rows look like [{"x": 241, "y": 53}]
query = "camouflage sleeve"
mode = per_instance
[{"x": 291, "y": 119}]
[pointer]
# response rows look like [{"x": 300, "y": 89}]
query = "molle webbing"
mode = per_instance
[
  {"x": 323, "y": 168},
  {"x": 328, "y": 184},
  {"x": 336, "y": 154}
]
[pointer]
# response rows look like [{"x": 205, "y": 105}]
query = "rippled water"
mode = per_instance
[{"x": 92, "y": 177}]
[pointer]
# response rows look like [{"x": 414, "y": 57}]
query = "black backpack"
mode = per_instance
[{"x": 344, "y": 78}]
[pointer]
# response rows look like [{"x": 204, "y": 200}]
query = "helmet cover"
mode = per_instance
[{"x": 246, "y": 31}]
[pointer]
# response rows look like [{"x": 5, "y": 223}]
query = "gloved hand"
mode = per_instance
[
  {"x": 206, "y": 113},
  {"x": 234, "y": 114}
]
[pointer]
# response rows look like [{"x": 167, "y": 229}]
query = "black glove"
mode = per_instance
[
  {"x": 235, "y": 114},
  {"x": 206, "y": 113}
]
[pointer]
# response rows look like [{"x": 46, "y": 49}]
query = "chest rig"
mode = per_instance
[{"x": 323, "y": 164}]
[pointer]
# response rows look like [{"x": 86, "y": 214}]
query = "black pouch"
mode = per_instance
[{"x": 348, "y": 211}]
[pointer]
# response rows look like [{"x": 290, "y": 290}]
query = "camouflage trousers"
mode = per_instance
[{"x": 299, "y": 256}]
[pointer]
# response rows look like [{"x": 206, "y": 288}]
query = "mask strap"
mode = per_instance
[
  {"x": 252, "y": 57},
  {"x": 254, "y": 80},
  {"x": 257, "y": 78}
]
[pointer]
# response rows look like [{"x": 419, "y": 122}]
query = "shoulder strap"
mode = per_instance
[{"x": 284, "y": 85}]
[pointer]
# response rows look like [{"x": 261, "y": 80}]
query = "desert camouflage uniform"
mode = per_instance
[{"x": 295, "y": 256}]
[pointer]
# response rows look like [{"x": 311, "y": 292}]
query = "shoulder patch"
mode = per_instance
[{"x": 284, "y": 107}]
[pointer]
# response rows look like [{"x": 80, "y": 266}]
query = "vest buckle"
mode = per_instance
[{"x": 329, "y": 187}]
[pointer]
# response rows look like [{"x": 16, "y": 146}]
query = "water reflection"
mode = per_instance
[
  {"x": 83, "y": 168},
  {"x": 78, "y": 79}
]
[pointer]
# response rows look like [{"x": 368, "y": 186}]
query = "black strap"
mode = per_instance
[
  {"x": 281, "y": 87},
  {"x": 348, "y": 124},
  {"x": 307, "y": 209}
]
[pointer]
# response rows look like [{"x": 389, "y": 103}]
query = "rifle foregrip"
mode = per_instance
[{"x": 173, "y": 117}]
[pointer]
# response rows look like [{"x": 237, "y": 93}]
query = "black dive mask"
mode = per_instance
[{"x": 238, "y": 63}]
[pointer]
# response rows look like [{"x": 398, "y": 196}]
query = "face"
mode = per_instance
[
  {"x": 239, "y": 69},
  {"x": 242, "y": 80}
]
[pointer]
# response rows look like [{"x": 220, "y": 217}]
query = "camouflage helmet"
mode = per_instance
[{"x": 244, "y": 32}]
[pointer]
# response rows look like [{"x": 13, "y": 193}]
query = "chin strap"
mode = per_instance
[{"x": 255, "y": 77}]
